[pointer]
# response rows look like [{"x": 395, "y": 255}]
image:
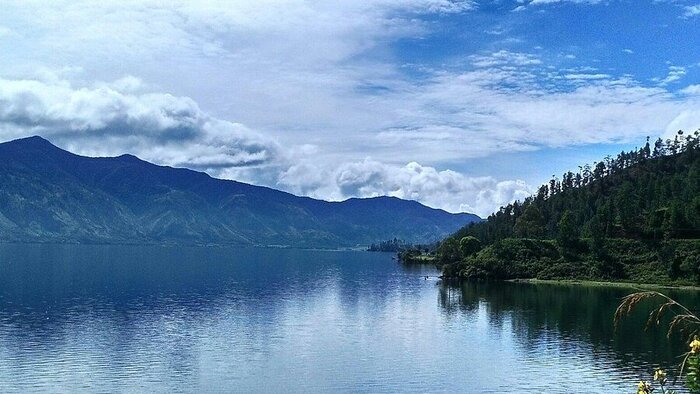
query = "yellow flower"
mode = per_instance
[
  {"x": 695, "y": 346},
  {"x": 643, "y": 388},
  {"x": 660, "y": 375}
]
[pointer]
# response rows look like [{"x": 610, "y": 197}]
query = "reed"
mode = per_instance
[{"x": 683, "y": 321}]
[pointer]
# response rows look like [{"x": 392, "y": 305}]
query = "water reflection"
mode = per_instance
[
  {"x": 110, "y": 318},
  {"x": 545, "y": 314},
  {"x": 171, "y": 317}
]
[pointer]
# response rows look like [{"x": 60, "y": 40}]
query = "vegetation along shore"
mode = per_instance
[{"x": 632, "y": 218}]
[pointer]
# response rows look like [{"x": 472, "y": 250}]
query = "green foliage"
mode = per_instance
[
  {"x": 449, "y": 251},
  {"x": 692, "y": 377},
  {"x": 392, "y": 245},
  {"x": 530, "y": 224},
  {"x": 469, "y": 245},
  {"x": 568, "y": 232},
  {"x": 639, "y": 214},
  {"x": 508, "y": 259},
  {"x": 416, "y": 256},
  {"x": 680, "y": 319},
  {"x": 638, "y": 195},
  {"x": 670, "y": 262},
  {"x": 682, "y": 259},
  {"x": 596, "y": 233}
]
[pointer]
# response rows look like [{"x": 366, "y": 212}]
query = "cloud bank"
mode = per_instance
[
  {"x": 369, "y": 178},
  {"x": 312, "y": 97},
  {"x": 106, "y": 119}
]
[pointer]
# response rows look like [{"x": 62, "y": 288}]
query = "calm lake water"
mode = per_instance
[{"x": 166, "y": 319}]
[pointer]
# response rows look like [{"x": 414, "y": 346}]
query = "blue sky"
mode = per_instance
[
  {"x": 599, "y": 35},
  {"x": 460, "y": 104}
]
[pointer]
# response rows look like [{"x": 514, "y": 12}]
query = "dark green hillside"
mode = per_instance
[
  {"x": 50, "y": 195},
  {"x": 632, "y": 217}
]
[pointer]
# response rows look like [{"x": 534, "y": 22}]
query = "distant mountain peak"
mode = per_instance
[
  {"x": 52, "y": 195},
  {"x": 34, "y": 141},
  {"x": 32, "y": 146},
  {"x": 128, "y": 157}
]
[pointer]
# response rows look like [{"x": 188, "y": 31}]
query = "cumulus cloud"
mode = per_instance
[
  {"x": 257, "y": 88},
  {"x": 447, "y": 6},
  {"x": 688, "y": 121},
  {"x": 691, "y": 90},
  {"x": 251, "y": 61},
  {"x": 540, "y": 2},
  {"x": 105, "y": 120},
  {"x": 675, "y": 73},
  {"x": 446, "y": 189},
  {"x": 691, "y": 11}
]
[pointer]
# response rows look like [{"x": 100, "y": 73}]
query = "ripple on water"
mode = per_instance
[{"x": 198, "y": 319}]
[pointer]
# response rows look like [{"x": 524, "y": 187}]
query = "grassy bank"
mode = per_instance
[
  {"x": 598, "y": 283},
  {"x": 671, "y": 263},
  {"x": 414, "y": 256}
]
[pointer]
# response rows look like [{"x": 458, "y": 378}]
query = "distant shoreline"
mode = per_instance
[
  {"x": 191, "y": 245},
  {"x": 597, "y": 283}
]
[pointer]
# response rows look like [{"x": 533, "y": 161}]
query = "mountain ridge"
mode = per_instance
[{"x": 51, "y": 195}]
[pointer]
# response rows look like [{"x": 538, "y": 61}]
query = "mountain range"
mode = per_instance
[{"x": 51, "y": 195}]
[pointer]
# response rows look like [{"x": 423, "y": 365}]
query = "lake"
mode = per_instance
[{"x": 174, "y": 319}]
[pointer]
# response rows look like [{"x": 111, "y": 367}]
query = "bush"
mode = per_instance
[
  {"x": 510, "y": 259},
  {"x": 668, "y": 262},
  {"x": 469, "y": 245}
]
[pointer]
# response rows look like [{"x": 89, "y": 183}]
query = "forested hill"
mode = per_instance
[
  {"x": 650, "y": 193},
  {"x": 634, "y": 217},
  {"x": 50, "y": 195}
]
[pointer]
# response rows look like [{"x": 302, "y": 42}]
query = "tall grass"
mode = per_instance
[{"x": 683, "y": 321}]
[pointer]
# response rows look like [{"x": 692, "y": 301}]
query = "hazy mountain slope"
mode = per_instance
[{"x": 51, "y": 195}]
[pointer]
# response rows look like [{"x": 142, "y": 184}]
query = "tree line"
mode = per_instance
[
  {"x": 393, "y": 245},
  {"x": 648, "y": 193}
]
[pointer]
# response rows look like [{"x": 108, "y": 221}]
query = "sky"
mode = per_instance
[{"x": 464, "y": 105}]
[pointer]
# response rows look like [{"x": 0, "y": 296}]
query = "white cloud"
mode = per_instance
[
  {"x": 447, "y": 189},
  {"x": 691, "y": 90},
  {"x": 545, "y": 2},
  {"x": 586, "y": 76},
  {"x": 504, "y": 57},
  {"x": 318, "y": 73},
  {"x": 127, "y": 84},
  {"x": 448, "y": 6},
  {"x": 451, "y": 116},
  {"x": 675, "y": 73},
  {"x": 688, "y": 121},
  {"x": 502, "y": 108},
  {"x": 255, "y": 89},
  {"x": 231, "y": 56},
  {"x": 6, "y": 33},
  {"x": 691, "y": 11},
  {"x": 101, "y": 120}
]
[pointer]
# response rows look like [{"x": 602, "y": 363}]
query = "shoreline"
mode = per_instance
[
  {"x": 358, "y": 248},
  {"x": 600, "y": 283}
]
